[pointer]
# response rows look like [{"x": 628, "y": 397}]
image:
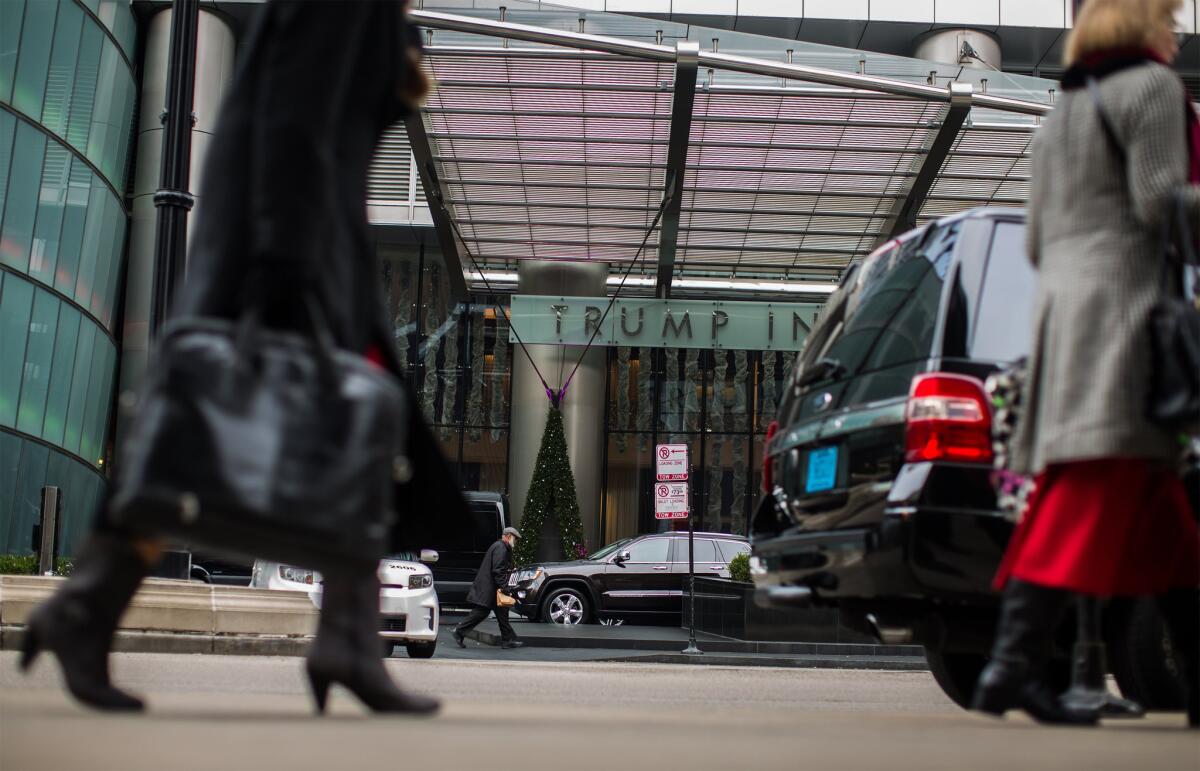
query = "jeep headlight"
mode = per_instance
[
  {"x": 299, "y": 575},
  {"x": 420, "y": 581},
  {"x": 529, "y": 574}
]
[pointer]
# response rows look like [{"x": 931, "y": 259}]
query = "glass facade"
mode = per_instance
[
  {"x": 67, "y": 97},
  {"x": 458, "y": 358},
  {"x": 719, "y": 403}
]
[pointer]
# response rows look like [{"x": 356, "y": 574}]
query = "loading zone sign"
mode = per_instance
[
  {"x": 670, "y": 462},
  {"x": 671, "y": 500}
]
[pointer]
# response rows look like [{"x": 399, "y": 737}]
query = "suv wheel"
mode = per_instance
[
  {"x": 1141, "y": 657},
  {"x": 956, "y": 673},
  {"x": 421, "y": 650},
  {"x": 566, "y": 606}
]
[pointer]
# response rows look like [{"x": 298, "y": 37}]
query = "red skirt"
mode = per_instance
[{"x": 1117, "y": 526}]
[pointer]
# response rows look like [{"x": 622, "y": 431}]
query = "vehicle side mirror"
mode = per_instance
[
  {"x": 429, "y": 555},
  {"x": 621, "y": 558}
]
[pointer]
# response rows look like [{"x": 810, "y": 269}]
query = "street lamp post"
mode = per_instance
[{"x": 172, "y": 198}]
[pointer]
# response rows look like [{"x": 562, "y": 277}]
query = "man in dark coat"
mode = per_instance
[{"x": 493, "y": 573}]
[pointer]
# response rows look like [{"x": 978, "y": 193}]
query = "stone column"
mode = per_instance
[
  {"x": 215, "y": 46},
  {"x": 582, "y": 407}
]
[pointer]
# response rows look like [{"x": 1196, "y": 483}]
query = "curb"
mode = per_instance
[
  {"x": 131, "y": 641},
  {"x": 885, "y": 663},
  {"x": 168, "y": 616},
  {"x": 712, "y": 645}
]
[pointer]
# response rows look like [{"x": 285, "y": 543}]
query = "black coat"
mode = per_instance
[
  {"x": 493, "y": 574},
  {"x": 283, "y": 204}
]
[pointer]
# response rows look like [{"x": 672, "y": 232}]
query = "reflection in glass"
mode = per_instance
[
  {"x": 83, "y": 94},
  {"x": 16, "y": 302},
  {"x": 39, "y": 349},
  {"x": 52, "y": 199},
  {"x": 628, "y": 481},
  {"x": 726, "y": 490},
  {"x": 79, "y": 387},
  {"x": 20, "y": 203},
  {"x": 78, "y": 192},
  {"x": 33, "y": 59},
  {"x": 61, "y": 370},
  {"x": 62, "y": 67}
]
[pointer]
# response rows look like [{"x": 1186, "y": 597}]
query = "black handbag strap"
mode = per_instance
[
  {"x": 1106, "y": 121},
  {"x": 249, "y": 327}
]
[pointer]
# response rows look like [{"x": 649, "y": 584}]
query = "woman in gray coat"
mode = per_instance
[{"x": 1109, "y": 514}]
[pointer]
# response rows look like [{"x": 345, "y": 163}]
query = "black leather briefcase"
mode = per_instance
[{"x": 264, "y": 443}]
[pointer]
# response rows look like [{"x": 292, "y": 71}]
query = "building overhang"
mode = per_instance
[{"x": 557, "y": 135}]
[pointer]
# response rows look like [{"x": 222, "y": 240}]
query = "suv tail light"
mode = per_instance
[
  {"x": 768, "y": 475},
  {"x": 948, "y": 418}
]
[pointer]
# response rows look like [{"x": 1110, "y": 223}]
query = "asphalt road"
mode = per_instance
[{"x": 225, "y": 712}]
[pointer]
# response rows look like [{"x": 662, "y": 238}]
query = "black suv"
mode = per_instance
[
  {"x": 879, "y": 498},
  {"x": 461, "y": 552},
  {"x": 638, "y": 577}
]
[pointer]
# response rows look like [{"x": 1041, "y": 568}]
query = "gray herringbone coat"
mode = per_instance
[{"x": 1093, "y": 237}]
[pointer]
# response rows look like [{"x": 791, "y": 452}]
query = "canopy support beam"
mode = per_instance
[
  {"x": 904, "y": 212},
  {"x": 687, "y": 57},
  {"x": 438, "y": 197}
]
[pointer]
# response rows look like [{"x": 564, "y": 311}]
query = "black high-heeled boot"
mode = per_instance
[
  {"x": 347, "y": 649},
  {"x": 1015, "y": 676},
  {"x": 77, "y": 624},
  {"x": 1180, "y": 610}
]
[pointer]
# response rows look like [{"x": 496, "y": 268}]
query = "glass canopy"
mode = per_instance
[{"x": 549, "y": 136}]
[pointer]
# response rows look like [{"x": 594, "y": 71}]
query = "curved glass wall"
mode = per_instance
[{"x": 67, "y": 95}]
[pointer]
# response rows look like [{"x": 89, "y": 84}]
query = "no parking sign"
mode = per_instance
[
  {"x": 671, "y": 462},
  {"x": 670, "y": 500}
]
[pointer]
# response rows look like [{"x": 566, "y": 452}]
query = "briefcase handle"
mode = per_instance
[{"x": 249, "y": 329}]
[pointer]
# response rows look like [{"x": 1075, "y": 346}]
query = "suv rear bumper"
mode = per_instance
[{"x": 926, "y": 553}]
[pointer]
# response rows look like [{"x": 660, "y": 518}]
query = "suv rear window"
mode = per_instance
[
  {"x": 887, "y": 317},
  {"x": 1002, "y": 323}
]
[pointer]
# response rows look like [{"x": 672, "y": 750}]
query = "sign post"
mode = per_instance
[{"x": 671, "y": 501}]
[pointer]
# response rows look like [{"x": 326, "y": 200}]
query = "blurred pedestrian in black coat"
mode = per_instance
[
  {"x": 493, "y": 574},
  {"x": 284, "y": 211}
]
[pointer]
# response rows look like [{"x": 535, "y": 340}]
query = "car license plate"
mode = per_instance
[{"x": 822, "y": 469}]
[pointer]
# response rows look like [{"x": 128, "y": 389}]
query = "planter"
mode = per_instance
[{"x": 727, "y": 608}]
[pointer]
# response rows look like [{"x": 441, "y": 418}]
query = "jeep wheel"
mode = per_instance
[
  {"x": 566, "y": 606},
  {"x": 956, "y": 673}
]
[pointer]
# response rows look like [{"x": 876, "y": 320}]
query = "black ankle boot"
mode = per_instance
[
  {"x": 78, "y": 622},
  {"x": 1180, "y": 611},
  {"x": 1014, "y": 678},
  {"x": 346, "y": 650}
]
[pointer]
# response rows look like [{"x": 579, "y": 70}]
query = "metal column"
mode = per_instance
[{"x": 173, "y": 199}]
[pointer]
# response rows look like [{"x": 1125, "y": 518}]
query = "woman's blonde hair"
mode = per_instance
[{"x": 1106, "y": 24}]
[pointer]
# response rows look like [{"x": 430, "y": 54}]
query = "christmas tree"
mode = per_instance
[{"x": 551, "y": 494}]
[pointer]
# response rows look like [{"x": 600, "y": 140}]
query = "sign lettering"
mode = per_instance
[{"x": 654, "y": 323}]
